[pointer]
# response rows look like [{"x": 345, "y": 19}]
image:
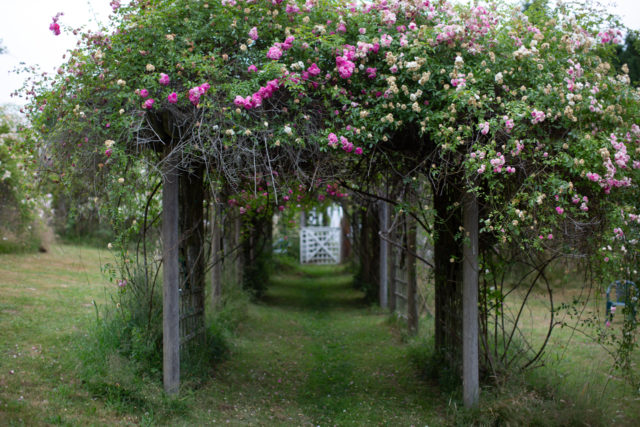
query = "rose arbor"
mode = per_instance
[{"x": 517, "y": 122}]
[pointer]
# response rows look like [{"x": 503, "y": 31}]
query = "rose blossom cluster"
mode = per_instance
[
  {"x": 54, "y": 27},
  {"x": 275, "y": 52},
  {"x": 347, "y": 146},
  {"x": 344, "y": 62},
  {"x": 256, "y": 99},
  {"x": 537, "y": 116},
  {"x": 196, "y": 92},
  {"x": 148, "y": 103}
]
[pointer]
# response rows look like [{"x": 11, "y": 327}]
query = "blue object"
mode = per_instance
[{"x": 626, "y": 293}]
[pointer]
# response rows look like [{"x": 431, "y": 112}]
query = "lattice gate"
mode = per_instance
[{"x": 320, "y": 245}]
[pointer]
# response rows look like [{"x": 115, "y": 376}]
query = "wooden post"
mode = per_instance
[
  {"x": 412, "y": 285},
  {"x": 392, "y": 280},
  {"x": 239, "y": 250},
  {"x": 216, "y": 271},
  {"x": 470, "y": 375},
  {"x": 394, "y": 254},
  {"x": 384, "y": 255},
  {"x": 170, "y": 281},
  {"x": 192, "y": 256}
]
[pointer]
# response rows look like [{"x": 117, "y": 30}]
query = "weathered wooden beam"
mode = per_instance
[
  {"x": 470, "y": 373},
  {"x": 384, "y": 255},
  {"x": 191, "y": 245},
  {"x": 216, "y": 255},
  {"x": 392, "y": 276},
  {"x": 170, "y": 280},
  {"x": 239, "y": 264},
  {"x": 412, "y": 284}
]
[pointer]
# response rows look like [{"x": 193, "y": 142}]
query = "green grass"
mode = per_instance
[
  {"x": 577, "y": 383},
  {"x": 311, "y": 352},
  {"x": 46, "y": 301},
  {"x": 578, "y": 370}
]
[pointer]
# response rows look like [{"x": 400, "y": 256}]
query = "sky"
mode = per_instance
[{"x": 24, "y": 30}]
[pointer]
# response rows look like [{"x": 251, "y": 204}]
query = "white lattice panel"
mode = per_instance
[{"x": 320, "y": 245}]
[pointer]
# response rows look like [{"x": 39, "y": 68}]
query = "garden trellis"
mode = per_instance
[{"x": 534, "y": 122}]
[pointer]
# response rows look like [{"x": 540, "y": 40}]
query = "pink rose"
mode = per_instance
[
  {"x": 484, "y": 128},
  {"x": 148, "y": 104},
  {"x": 292, "y": 8},
  {"x": 164, "y": 79},
  {"x": 314, "y": 70},
  {"x": 288, "y": 42},
  {"x": 371, "y": 72},
  {"x": 274, "y": 53},
  {"x": 253, "y": 33},
  {"x": 194, "y": 95},
  {"x": 144, "y": 93},
  {"x": 172, "y": 98},
  {"x": 54, "y": 26},
  {"x": 333, "y": 140}
]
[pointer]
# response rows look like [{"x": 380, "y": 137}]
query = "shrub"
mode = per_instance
[{"x": 24, "y": 211}]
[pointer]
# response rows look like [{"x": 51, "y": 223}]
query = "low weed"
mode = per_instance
[{"x": 533, "y": 399}]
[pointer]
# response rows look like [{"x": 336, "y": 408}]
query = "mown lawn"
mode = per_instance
[
  {"x": 45, "y": 304},
  {"x": 310, "y": 353}
]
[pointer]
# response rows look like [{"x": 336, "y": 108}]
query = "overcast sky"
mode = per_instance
[{"x": 24, "y": 30}]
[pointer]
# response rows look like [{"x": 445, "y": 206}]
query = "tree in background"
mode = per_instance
[{"x": 629, "y": 54}]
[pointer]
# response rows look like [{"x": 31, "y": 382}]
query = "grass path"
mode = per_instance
[
  {"x": 313, "y": 354},
  {"x": 310, "y": 353}
]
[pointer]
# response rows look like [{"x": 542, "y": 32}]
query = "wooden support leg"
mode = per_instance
[
  {"x": 412, "y": 285},
  {"x": 384, "y": 255},
  {"x": 170, "y": 283},
  {"x": 470, "y": 375},
  {"x": 216, "y": 271}
]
